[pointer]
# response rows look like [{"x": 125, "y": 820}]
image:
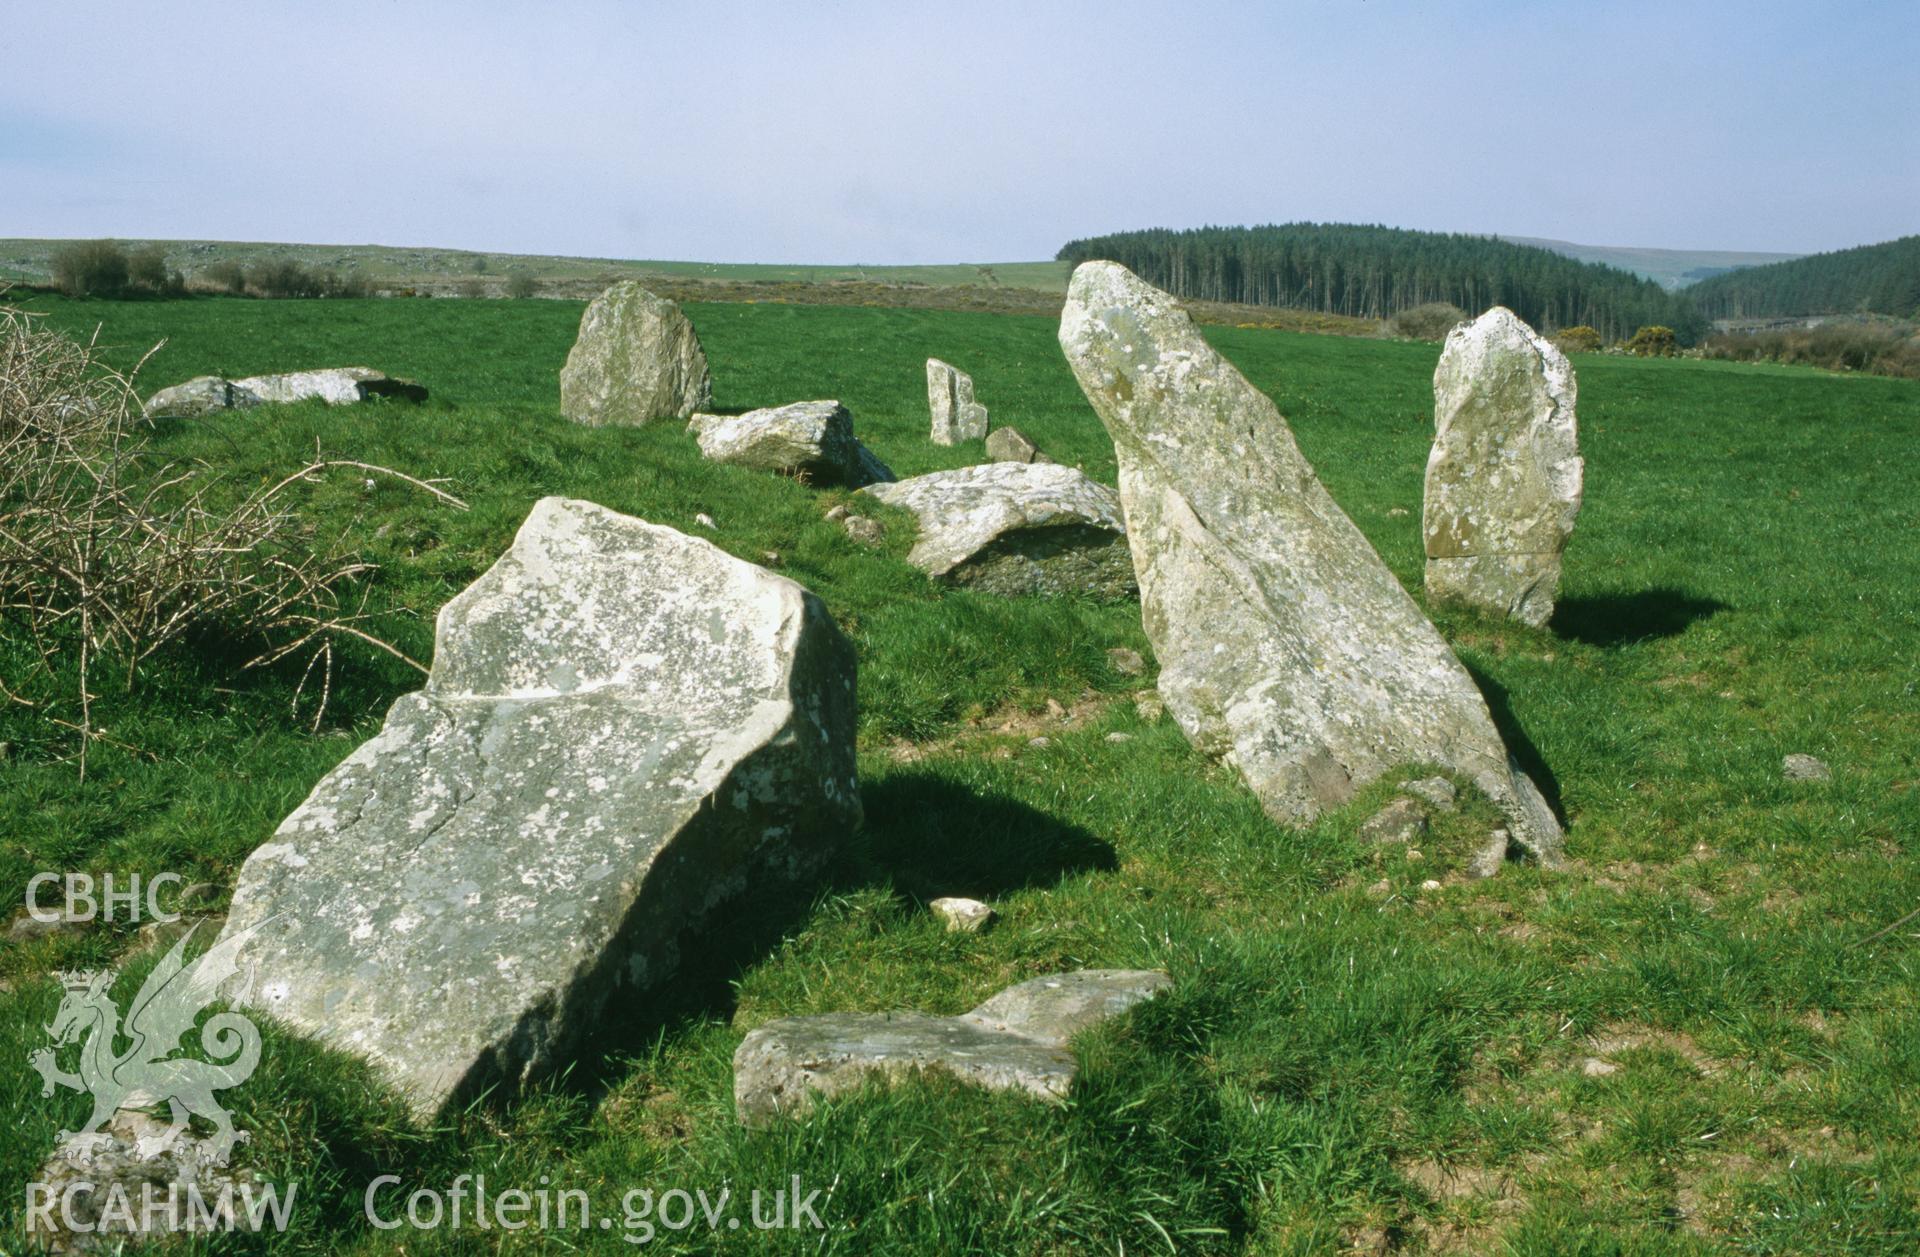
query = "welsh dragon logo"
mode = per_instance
[{"x": 149, "y": 1073}]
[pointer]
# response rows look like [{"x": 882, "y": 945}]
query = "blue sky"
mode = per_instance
[{"x": 902, "y": 132}]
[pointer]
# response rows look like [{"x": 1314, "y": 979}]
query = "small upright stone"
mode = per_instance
[
  {"x": 1504, "y": 477},
  {"x": 1285, "y": 645},
  {"x": 1010, "y": 445},
  {"x": 956, "y": 416},
  {"x": 1438, "y": 791},
  {"x": 637, "y": 360}
]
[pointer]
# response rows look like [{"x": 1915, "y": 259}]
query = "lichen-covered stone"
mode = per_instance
[
  {"x": 1017, "y": 528},
  {"x": 1010, "y": 445},
  {"x": 1504, "y": 477},
  {"x": 957, "y": 416},
  {"x": 1016, "y": 1041},
  {"x": 337, "y": 386},
  {"x": 811, "y": 439},
  {"x": 1284, "y": 644},
  {"x": 636, "y": 361},
  {"x": 202, "y": 395},
  {"x": 623, "y": 728}
]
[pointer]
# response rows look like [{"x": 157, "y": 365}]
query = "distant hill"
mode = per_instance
[
  {"x": 1670, "y": 268},
  {"x": 1871, "y": 279},
  {"x": 1376, "y": 272},
  {"x": 430, "y": 269}
]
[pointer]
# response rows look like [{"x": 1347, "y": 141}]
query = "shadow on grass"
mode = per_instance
[
  {"x": 1616, "y": 619},
  {"x": 925, "y": 836},
  {"x": 1519, "y": 745}
]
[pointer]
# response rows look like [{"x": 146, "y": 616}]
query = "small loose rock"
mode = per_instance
[
  {"x": 1149, "y": 706},
  {"x": 1594, "y": 1067},
  {"x": 1438, "y": 791},
  {"x": 1805, "y": 768},
  {"x": 705, "y": 521},
  {"x": 963, "y": 916},
  {"x": 1491, "y": 857},
  {"x": 865, "y": 530},
  {"x": 1117, "y": 736},
  {"x": 1127, "y": 661},
  {"x": 1402, "y": 820}
]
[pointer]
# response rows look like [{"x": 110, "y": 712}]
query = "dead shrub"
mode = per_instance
[{"x": 111, "y": 553}]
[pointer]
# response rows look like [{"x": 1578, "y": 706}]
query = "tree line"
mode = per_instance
[
  {"x": 1377, "y": 272},
  {"x": 1874, "y": 278}
]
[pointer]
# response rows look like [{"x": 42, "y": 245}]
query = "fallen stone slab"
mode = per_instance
[
  {"x": 814, "y": 440},
  {"x": 1504, "y": 478},
  {"x": 1285, "y": 645},
  {"x": 636, "y": 361},
  {"x": 1799, "y": 767},
  {"x": 1016, "y": 1041},
  {"x": 1017, "y": 528},
  {"x": 957, "y": 416},
  {"x": 624, "y": 728},
  {"x": 337, "y": 386},
  {"x": 202, "y": 395}
]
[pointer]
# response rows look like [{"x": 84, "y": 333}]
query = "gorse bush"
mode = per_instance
[
  {"x": 1577, "y": 340},
  {"x": 1653, "y": 342}
]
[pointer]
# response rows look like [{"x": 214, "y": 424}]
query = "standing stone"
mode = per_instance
[
  {"x": 810, "y": 439},
  {"x": 636, "y": 360},
  {"x": 1017, "y": 528},
  {"x": 1285, "y": 645},
  {"x": 624, "y": 727},
  {"x": 956, "y": 416},
  {"x": 1503, "y": 481}
]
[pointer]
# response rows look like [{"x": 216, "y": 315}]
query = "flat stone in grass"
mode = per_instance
[
  {"x": 202, "y": 395},
  {"x": 1504, "y": 477},
  {"x": 336, "y": 386},
  {"x": 956, "y": 415},
  {"x": 810, "y": 439},
  {"x": 1285, "y": 645},
  {"x": 1016, "y": 1041},
  {"x": 623, "y": 729},
  {"x": 1805, "y": 768},
  {"x": 1017, "y": 528},
  {"x": 635, "y": 361}
]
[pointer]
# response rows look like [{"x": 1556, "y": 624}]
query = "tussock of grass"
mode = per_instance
[{"x": 1336, "y": 1066}]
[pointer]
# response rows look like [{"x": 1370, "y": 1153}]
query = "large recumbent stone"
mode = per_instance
[{"x": 623, "y": 727}]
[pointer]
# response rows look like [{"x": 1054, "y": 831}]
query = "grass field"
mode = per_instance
[{"x": 1347, "y": 1062}]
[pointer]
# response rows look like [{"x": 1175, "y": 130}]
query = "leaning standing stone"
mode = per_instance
[
  {"x": 625, "y": 727},
  {"x": 1285, "y": 645},
  {"x": 1504, "y": 478},
  {"x": 636, "y": 360},
  {"x": 956, "y": 416}
]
